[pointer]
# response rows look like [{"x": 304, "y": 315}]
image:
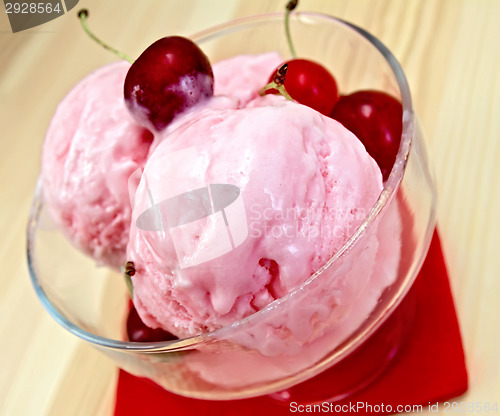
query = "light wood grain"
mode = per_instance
[{"x": 449, "y": 50}]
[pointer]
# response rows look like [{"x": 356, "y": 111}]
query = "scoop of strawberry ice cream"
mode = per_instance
[
  {"x": 91, "y": 148},
  {"x": 242, "y": 76},
  {"x": 236, "y": 207}
]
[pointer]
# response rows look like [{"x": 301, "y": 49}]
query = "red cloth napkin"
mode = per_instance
[{"x": 429, "y": 367}]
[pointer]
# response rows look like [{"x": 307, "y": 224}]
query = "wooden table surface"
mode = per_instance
[{"x": 449, "y": 50}]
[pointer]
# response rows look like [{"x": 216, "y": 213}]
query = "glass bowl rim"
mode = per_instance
[{"x": 390, "y": 186}]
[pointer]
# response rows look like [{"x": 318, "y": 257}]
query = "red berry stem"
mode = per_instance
[
  {"x": 82, "y": 15},
  {"x": 128, "y": 272},
  {"x": 292, "y": 4},
  {"x": 278, "y": 83}
]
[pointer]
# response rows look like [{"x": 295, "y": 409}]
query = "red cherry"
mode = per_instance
[
  {"x": 171, "y": 75},
  {"x": 377, "y": 120},
  {"x": 311, "y": 84},
  {"x": 137, "y": 331}
]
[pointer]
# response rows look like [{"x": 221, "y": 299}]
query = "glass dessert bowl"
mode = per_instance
[{"x": 324, "y": 322}]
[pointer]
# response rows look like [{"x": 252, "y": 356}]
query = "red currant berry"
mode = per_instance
[
  {"x": 170, "y": 75},
  {"x": 137, "y": 331},
  {"x": 311, "y": 84},
  {"x": 377, "y": 120}
]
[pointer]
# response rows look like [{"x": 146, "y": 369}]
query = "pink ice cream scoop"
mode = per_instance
[
  {"x": 236, "y": 207},
  {"x": 91, "y": 148},
  {"x": 242, "y": 76}
]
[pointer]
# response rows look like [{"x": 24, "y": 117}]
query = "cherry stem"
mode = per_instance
[
  {"x": 128, "y": 271},
  {"x": 292, "y": 4},
  {"x": 278, "y": 83},
  {"x": 82, "y": 15}
]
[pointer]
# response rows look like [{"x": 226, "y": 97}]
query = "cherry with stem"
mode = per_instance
[
  {"x": 170, "y": 76},
  {"x": 304, "y": 81}
]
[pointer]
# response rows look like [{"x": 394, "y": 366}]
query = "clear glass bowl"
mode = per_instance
[{"x": 257, "y": 356}]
